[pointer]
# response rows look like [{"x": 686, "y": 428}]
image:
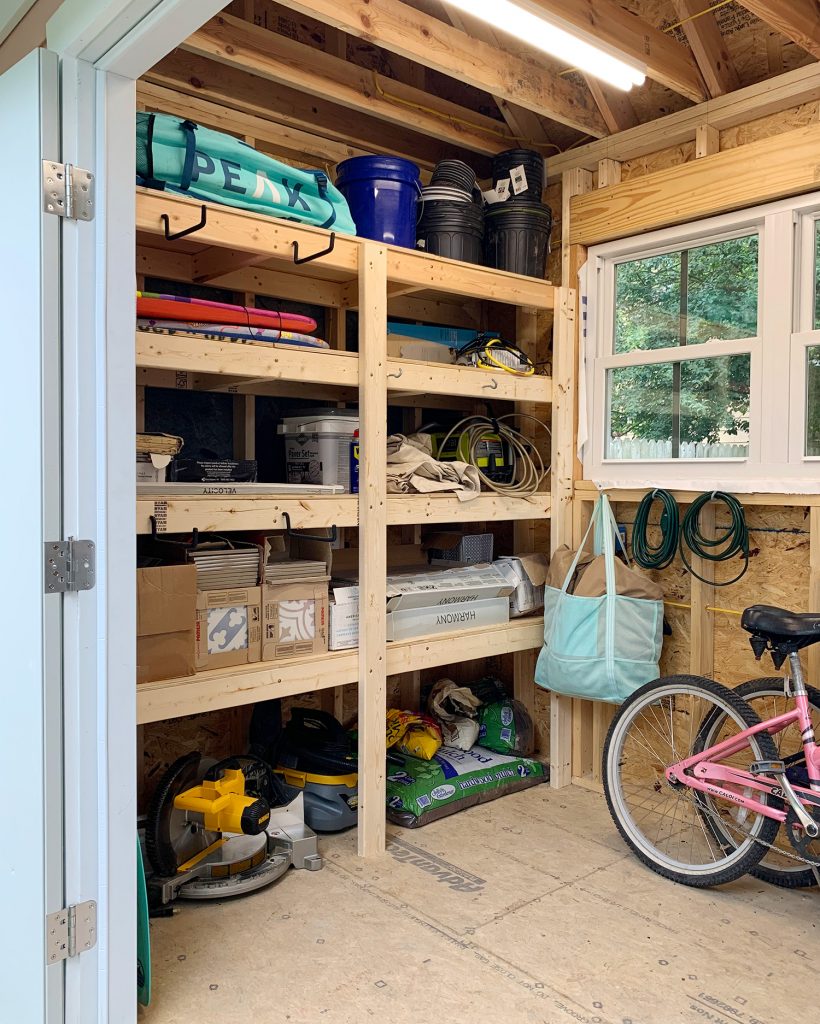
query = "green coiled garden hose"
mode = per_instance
[
  {"x": 727, "y": 543},
  {"x": 656, "y": 556}
]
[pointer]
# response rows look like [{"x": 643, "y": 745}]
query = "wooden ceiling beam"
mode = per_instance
[
  {"x": 273, "y": 57},
  {"x": 285, "y": 118},
  {"x": 667, "y": 61},
  {"x": 523, "y": 123},
  {"x": 401, "y": 29},
  {"x": 798, "y": 20},
  {"x": 615, "y": 105},
  {"x": 708, "y": 45}
]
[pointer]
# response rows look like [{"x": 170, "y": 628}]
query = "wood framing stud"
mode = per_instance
[
  {"x": 707, "y": 141},
  {"x": 373, "y": 555},
  {"x": 758, "y": 173},
  {"x": 609, "y": 173}
]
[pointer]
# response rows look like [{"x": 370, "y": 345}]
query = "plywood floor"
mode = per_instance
[{"x": 528, "y": 910}]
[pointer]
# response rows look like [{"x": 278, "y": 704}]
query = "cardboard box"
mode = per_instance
[
  {"x": 295, "y": 620},
  {"x": 152, "y": 469},
  {"x": 344, "y": 618},
  {"x": 228, "y": 627},
  {"x": 166, "y": 616},
  {"x": 527, "y": 574}
]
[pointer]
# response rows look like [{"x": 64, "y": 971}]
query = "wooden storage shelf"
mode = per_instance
[
  {"x": 234, "y": 240},
  {"x": 225, "y": 512},
  {"x": 224, "y": 688},
  {"x": 232, "y": 364}
]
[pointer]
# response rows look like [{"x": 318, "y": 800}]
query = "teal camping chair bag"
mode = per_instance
[
  {"x": 181, "y": 156},
  {"x": 599, "y": 648}
]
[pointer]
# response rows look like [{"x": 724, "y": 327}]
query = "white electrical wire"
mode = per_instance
[{"x": 529, "y": 469}]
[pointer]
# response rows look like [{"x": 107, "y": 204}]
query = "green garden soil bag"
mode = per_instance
[
  {"x": 419, "y": 792},
  {"x": 181, "y": 156},
  {"x": 505, "y": 727}
]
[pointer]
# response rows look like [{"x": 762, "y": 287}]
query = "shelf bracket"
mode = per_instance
[
  {"x": 298, "y": 535},
  {"x": 299, "y": 260},
  {"x": 166, "y": 220}
]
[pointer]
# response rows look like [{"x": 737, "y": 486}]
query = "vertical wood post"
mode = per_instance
[
  {"x": 701, "y": 596},
  {"x": 814, "y": 589},
  {"x": 372, "y": 547},
  {"x": 563, "y": 463},
  {"x": 707, "y": 140}
]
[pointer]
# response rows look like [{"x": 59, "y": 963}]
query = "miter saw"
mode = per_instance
[{"x": 221, "y": 828}]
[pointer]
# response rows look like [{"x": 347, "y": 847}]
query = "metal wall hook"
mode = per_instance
[
  {"x": 298, "y": 260},
  {"x": 493, "y": 385},
  {"x": 334, "y": 533},
  {"x": 397, "y": 375},
  {"x": 166, "y": 220}
]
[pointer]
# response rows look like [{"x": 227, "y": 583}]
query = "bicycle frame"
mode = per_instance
[{"x": 704, "y": 772}]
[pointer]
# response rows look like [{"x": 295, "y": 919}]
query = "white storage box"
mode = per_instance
[
  {"x": 343, "y": 632},
  {"x": 317, "y": 447},
  {"x": 151, "y": 469},
  {"x": 404, "y": 624}
]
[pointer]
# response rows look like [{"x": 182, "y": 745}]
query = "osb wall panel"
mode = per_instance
[{"x": 778, "y": 574}]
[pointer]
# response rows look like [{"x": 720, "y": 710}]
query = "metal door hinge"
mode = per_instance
[
  {"x": 71, "y": 931},
  {"x": 68, "y": 191},
  {"x": 68, "y": 565}
]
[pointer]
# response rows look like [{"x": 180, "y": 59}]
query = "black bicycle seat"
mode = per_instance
[{"x": 781, "y": 626}]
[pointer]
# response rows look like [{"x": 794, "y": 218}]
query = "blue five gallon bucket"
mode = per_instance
[{"x": 381, "y": 192}]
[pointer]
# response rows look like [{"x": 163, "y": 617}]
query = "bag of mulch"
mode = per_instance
[
  {"x": 506, "y": 728},
  {"x": 419, "y": 792}
]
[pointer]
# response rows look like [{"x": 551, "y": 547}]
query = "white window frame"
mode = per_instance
[{"x": 776, "y": 461}]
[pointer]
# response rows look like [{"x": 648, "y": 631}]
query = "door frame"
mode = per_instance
[{"x": 104, "y": 46}]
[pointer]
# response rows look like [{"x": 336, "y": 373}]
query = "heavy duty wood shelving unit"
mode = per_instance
[{"x": 251, "y": 253}]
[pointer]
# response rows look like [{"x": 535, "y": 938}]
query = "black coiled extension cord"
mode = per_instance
[
  {"x": 658, "y": 556},
  {"x": 726, "y": 544}
]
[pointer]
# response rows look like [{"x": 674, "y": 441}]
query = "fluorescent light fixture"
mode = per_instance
[{"x": 528, "y": 21}]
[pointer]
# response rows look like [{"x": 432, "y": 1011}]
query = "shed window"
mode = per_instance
[{"x": 703, "y": 353}]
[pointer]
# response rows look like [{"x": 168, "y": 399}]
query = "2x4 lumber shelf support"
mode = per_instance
[
  {"x": 373, "y": 548},
  {"x": 248, "y": 684}
]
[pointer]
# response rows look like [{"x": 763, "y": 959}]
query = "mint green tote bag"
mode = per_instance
[{"x": 599, "y": 648}]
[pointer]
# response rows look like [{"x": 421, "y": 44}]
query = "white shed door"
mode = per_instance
[{"x": 31, "y": 721}]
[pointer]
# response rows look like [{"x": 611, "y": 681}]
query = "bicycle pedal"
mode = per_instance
[{"x": 767, "y": 768}]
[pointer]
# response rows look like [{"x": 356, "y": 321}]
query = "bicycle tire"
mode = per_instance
[
  {"x": 800, "y": 877},
  {"x": 749, "y": 852}
]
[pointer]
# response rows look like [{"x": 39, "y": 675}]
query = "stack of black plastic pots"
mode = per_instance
[
  {"x": 451, "y": 214},
  {"x": 518, "y": 226}
]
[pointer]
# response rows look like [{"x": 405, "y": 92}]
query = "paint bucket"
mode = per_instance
[{"x": 381, "y": 192}]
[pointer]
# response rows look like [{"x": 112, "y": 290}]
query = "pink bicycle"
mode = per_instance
[{"x": 702, "y": 788}]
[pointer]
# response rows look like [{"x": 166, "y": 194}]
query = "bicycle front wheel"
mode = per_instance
[{"x": 664, "y": 823}]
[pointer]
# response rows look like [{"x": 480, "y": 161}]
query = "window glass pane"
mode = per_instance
[
  {"x": 722, "y": 290},
  {"x": 714, "y": 407},
  {"x": 685, "y": 298},
  {"x": 640, "y": 417},
  {"x": 813, "y": 400},
  {"x": 698, "y": 409},
  {"x": 817, "y": 276},
  {"x": 647, "y": 303}
]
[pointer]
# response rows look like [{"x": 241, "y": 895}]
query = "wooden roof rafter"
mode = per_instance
[
  {"x": 701, "y": 29},
  {"x": 265, "y": 54},
  {"x": 798, "y": 20},
  {"x": 401, "y": 29}
]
